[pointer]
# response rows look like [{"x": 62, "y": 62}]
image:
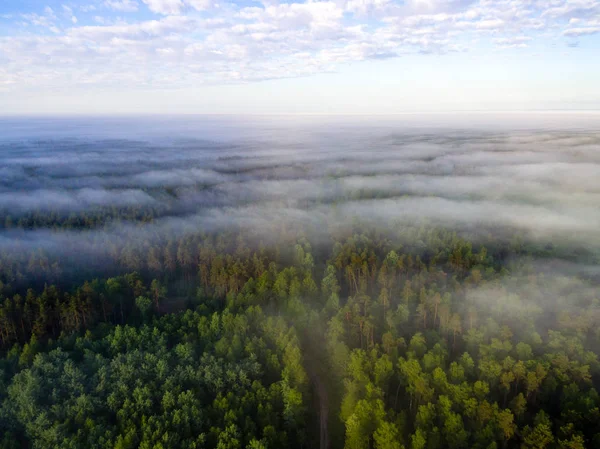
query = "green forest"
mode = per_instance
[{"x": 416, "y": 338}]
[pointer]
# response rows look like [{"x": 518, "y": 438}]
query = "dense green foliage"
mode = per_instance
[
  {"x": 420, "y": 338},
  {"x": 188, "y": 380}
]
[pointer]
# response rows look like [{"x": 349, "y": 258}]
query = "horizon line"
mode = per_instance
[{"x": 294, "y": 114}]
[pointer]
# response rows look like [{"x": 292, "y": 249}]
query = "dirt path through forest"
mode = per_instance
[
  {"x": 321, "y": 391},
  {"x": 314, "y": 368}
]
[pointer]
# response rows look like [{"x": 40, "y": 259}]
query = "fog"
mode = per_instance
[{"x": 532, "y": 178}]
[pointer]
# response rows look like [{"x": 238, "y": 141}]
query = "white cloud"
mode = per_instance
[
  {"x": 49, "y": 12},
  {"x": 489, "y": 24},
  {"x": 46, "y": 20},
  {"x": 165, "y": 7},
  {"x": 586, "y": 31},
  {"x": 366, "y": 7},
  {"x": 122, "y": 5},
  {"x": 87, "y": 8},
  {"x": 295, "y": 15},
  {"x": 141, "y": 30},
  {"x": 572, "y": 9},
  {"x": 200, "y": 5},
  {"x": 37, "y": 20},
  {"x": 230, "y": 43}
]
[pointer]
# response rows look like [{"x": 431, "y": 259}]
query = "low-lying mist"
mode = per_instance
[{"x": 483, "y": 182}]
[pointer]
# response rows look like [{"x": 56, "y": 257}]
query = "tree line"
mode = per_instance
[{"x": 423, "y": 338}]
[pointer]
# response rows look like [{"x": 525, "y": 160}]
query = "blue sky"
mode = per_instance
[{"x": 332, "y": 56}]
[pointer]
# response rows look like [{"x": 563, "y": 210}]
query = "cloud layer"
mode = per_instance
[{"x": 183, "y": 43}]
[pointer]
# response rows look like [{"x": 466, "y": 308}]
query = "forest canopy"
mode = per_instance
[{"x": 355, "y": 287}]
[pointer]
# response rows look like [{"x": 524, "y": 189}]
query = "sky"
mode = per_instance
[{"x": 315, "y": 57}]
